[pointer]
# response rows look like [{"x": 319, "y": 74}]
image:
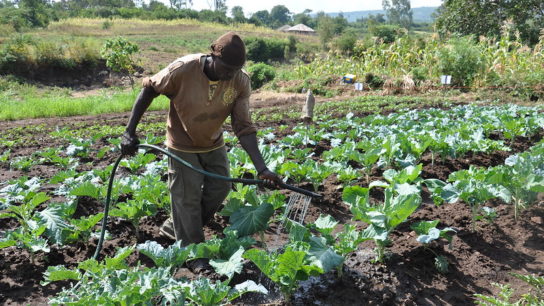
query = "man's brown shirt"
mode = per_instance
[{"x": 199, "y": 107}]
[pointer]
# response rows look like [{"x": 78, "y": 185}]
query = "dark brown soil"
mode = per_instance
[{"x": 408, "y": 277}]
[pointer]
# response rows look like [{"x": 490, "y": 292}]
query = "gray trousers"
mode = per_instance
[{"x": 195, "y": 197}]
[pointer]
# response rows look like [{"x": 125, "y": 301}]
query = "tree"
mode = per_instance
[
  {"x": 213, "y": 16},
  {"x": 260, "y": 18},
  {"x": 325, "y": 28},
  {"x": 218, "y": 5},
  {"x": 237, "y": 13},
  {"x": 305, "y": 18},
  {"x": 279, "y": 15},
  {"x": 378, "y": 18},
  {"x": 398, "y": 12},
  {"x": 118, "y": 55},
  {"x": 35, "y": 12},
  {"x": 179, "y": 4},
  {"x": 486, "y": 17},
  {"x": 340, "y": 24}
]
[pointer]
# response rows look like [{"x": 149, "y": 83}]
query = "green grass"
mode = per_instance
[
  {"x": 160, "y": 41},
  {"x": 33, "y": 105}
]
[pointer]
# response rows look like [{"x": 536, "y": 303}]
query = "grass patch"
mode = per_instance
[
  {"x": 160, "y": 41},
  {"x": 33, "y": 105}
]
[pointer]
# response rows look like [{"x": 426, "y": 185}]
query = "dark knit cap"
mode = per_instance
[{"x": 230, "y": 48}]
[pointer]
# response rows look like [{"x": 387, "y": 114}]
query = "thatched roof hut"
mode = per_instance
[{"x": 301, "y": 29}]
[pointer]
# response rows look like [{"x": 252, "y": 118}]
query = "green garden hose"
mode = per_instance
[{"x": 185, "y": 163}]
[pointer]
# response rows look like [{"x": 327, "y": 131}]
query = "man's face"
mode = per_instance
[{"x": 224, "y": 71}]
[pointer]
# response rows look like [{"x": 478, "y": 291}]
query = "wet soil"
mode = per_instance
[{"x": 407, "y": 277}]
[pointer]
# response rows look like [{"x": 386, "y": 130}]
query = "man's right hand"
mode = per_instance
[
  {"x": 129, "y": 144},
  {"x": 271, "y": 179}
]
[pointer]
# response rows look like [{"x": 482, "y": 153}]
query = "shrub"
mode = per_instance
[
  {"x": 387, "y": 33},
  {"x": 118, "y": 54},
  {"x": 23, "y": 55},
  {"x": 462, "y": 59},
  {"x": 346, "y": 42},
  {"x": 265, "y": 49},
  {"x": 419, "y": 74},
  {"x": 260, "y": 74},
  {"x": 374, "y": 81},
  {"x": 106, "y": 25}
]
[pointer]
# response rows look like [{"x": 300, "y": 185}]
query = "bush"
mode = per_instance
[
  {"x": 265, "y": 49},
  {"x": 118, "y": 54},
  {"x": 462, "y": 59},
  {"x": 387, "y": 33},
  {"x": 260, "y": 74},
  {"x": 106, "y": 25},
  {"x": 419, "y": 74},
  {"x": 346, "y": 42},
  {"x": 374, "y": 81},
  {"x": 14, "y": 18},
  {"x": 24, "y": 55}
]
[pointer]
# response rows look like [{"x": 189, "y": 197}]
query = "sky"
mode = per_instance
[{"x": 297, "y": 6}]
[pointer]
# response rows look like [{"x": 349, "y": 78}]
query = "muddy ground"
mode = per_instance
[{"x": 408, "y": 277}]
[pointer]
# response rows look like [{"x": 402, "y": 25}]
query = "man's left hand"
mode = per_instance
[{"x": 270, "y": 178}]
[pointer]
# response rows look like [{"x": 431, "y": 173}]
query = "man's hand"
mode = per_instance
[
  {"x": 129, "y": 144},
  {"x": 270, "y": 178}
]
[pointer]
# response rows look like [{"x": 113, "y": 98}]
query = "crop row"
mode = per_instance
[{"x": 393, "y": 143}]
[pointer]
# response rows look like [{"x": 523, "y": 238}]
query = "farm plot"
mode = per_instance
[{"x": 419, "y": 207}]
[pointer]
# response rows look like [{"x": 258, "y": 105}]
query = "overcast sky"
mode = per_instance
[{"x": 297, "y": 6}]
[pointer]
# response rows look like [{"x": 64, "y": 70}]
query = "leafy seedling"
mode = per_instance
[
  {"x": 28, "y": 234},
  {"x": 133, "y": 211},
  {"x": 385, "y": 217},
  {"x": 285, "y": 269},
  {"x": 428, "y": 233}
]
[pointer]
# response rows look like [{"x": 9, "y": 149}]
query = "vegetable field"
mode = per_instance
[{"x": 426, "y": 206}]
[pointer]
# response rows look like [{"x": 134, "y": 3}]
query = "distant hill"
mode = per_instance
[{"x": 420, "y": 14}]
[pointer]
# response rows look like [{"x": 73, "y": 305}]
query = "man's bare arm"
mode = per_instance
[
  {"x": 129, "y": 140},
  {"x": 144, "y": 99}
]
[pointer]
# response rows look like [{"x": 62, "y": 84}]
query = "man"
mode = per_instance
[{"x": 204, "y": 89}]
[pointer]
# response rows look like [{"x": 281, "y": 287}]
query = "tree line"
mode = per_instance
[{"x": 466, "y": 17}]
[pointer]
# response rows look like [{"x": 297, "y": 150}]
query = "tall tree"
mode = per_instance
[
  {"x": 179, "y": 4},
  {"x": 237, "y": 13},
  {"x": 305, "y": 18},
  {"x": 218, "y": 5},
  {"x": 398, "y": 12},
  {"x": 328, "y": 27},
  {"x": 35, "y": 12},
  {"x": 260, "y": 18},
  {"x": 279, "y": 15},
  {"x": 486, "y": 17}
]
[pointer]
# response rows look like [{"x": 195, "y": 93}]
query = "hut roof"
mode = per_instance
[
  {"x": 300, "y": 28},
  {"x": 284, "y": 28}
]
